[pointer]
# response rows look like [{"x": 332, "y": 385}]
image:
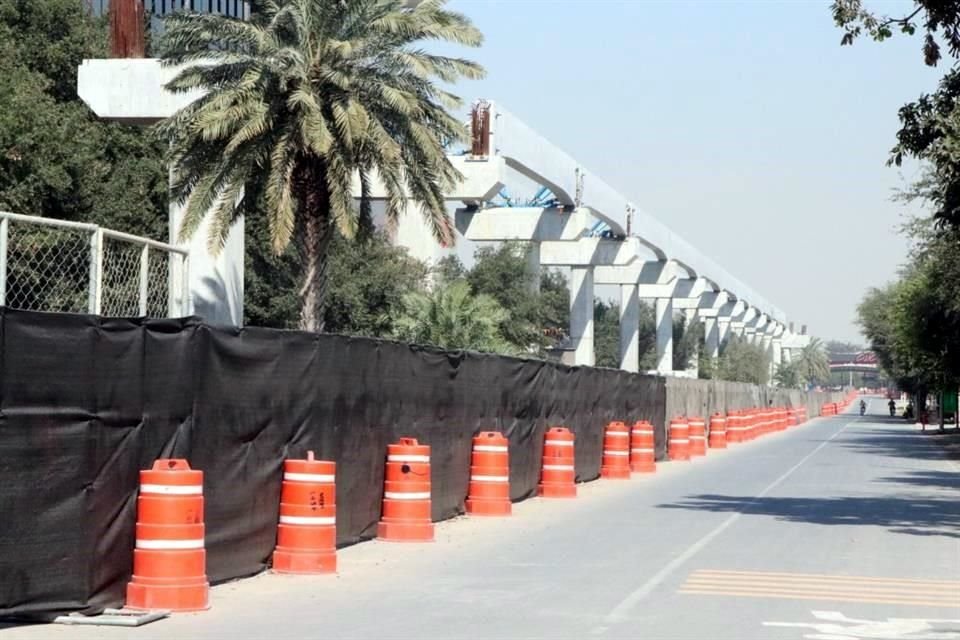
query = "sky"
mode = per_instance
[{"x": 743, "y": 126}]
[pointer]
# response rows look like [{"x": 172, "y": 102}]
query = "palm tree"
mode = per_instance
[
  {"x": 812, "y": 364},
  {"x": 298, "y": 101},
  {"x": 452, "y": 318}
]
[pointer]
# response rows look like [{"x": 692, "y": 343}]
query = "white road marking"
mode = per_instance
[
  {"x": 621, "y": 611},
  {"x": 834, "y": 625}
]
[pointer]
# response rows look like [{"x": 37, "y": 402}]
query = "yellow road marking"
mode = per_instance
[
  {"x": 821, "y": 576},
  {"x": 812, "y": 586},
  {"x": 820, "y": 586},
  {"x": 804, "y": 596}
]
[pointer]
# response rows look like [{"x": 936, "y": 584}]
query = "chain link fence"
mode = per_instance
[{"x": 54, "y": 265}]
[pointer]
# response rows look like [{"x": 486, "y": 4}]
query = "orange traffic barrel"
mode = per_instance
[
  {"x": 642, "y": 453},
  {"x": 718, "y": 431},
  {"x": 616, "y": 452},
  {"x": 784, "y": 417},
  {"x": 406, "y": 494},
  {"x": 558, "y": 473},
  {"x": 698, "y": 436},
  {"x": 489, "y": 493},
  {"x": 170, "y": 561},
  {"x": 735, "y": 426},
  {"x": 678, "y": 443},
  {"x": 307, "y": 531}
]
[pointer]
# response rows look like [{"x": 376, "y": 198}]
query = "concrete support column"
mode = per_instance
[
  {"x": 581, "y": 315},
  {"x": 533, "y": 265},
  {"x": 711, "y": 326},
  {"x": 786, "y": 355},
  {"x": 693, "y": 364},
  {"x": 664, "y": 320},
  {"x": 776, "y": 346},
  {"x": 629, "y": 328},
  {"x": 723, "y": 331}
]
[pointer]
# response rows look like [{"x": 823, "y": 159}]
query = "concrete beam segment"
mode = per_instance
[
  {"x": 664, "y": 321},
  {"x": 130, "y": 90},
  {"x": 588, "y": 251},
  {"x": 629, "y": 328},
  {"x": 522, "y": 223},
  {"x": 535, "y": 157},
  {"x": 581, "y": 315}
]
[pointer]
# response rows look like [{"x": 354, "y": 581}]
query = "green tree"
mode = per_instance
[
  {"x": 937, "y": 19},
  {"x": 368, "y": 279},
  {"x": 606, "y": 334},
  {"x": 451, "y": 317},
  {"x": 503, "y": 273},
  {"x": 788, "y": 375},
  {"x": 741, "y": 361},
  {"x": 298, "y": 99},
  {"x": 449, "y": 269},
  {"x": 688, "y": 340},
  {"x": 812, "y": 363},
  {"x": 56, "y": 158}
]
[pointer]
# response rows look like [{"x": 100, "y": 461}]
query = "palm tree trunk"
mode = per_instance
[{"x": 315, "y": 235}]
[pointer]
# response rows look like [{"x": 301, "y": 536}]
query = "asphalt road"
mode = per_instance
[{"x": 846, "y": 527}]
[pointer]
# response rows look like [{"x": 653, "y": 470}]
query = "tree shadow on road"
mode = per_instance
[
  {"x": 934, "y": 479},
  {"x": 901, "y": 514},
  {"x": 908, "y": 442}
]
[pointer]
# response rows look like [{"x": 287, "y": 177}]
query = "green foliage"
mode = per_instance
[
  {"x": 449, "y": 269},
  {"x": 56, "y": 158},
  {"x": 687, "y": 343},
  {"x": 812, "y": 363},
  {"x": 502, "y": 272},
  {"x": 913, "y": 325},
  {"x": 452, "y": 317},
  {"x": 368, "y": 280},
  {"x": 606, "y": 334},
  {"x": 938, "y": 19},
  {"x": 741, "y": 361},
  {"x": 788, "y": 375},
  {"x": 300, "y": 98}
]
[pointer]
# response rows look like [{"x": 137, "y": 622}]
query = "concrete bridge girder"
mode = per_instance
[{"x": 132, "y": 91}]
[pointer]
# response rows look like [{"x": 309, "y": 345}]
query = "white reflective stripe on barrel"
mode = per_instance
[
  {"x": 697, "y": 437},
  {"x": 614, "y": 453},
  {"x": 309, "y": 520},
  {"x": 493, "y": 448},
  {"x": 403, "y": 457},
  {"x": 642, "y": 432},
  {"x": 618, "y": 434},
  {"x": 173, "y": 489},
  {"x": 308, "y": 477},
  {"x": 490, "y": 478},
  {"x": 170, "y": 544},
  {"x": 558, "y": 467},
  {"x": 679, "y": 440},
  {"x": 413, "y": 495},
  {"x": 642, "y": 450},
  {"x": 560, "y": 443}
]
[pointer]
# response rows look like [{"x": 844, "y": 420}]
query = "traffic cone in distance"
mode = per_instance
[
  {"x": 169, "y": 561},
  {"x": 489, "y": 493},
  {"x": 698, "y": 436},
  {"x": 718, "y": 431},
  {"x": 406, "y": 494},
  {"x": 616, "y": 452},
  {"x": 558, "y": 473},
  {"x": 307, "y": 531},
  {"x": 678, "y": 443},
  {"x": 642, "y": 454}
]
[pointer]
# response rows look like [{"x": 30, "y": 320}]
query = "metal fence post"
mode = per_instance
[
  {"x": 187, "y": 300},
  {"x": 96, "y": 271},
  {"x": 4, "y": 228},
  {"x": 144, "y": 275}
]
